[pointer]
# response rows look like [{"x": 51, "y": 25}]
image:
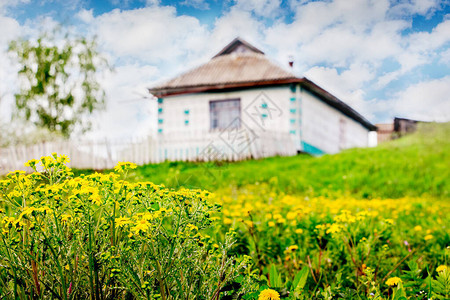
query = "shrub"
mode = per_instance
[{"x": 101, "y": 237}]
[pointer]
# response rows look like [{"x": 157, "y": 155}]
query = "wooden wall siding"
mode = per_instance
[
  {"x": 322, "y": 129},
  {"x": 198, "y": 146}
]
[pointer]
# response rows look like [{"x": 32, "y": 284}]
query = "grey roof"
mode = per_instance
[{"x": 237, "y": 63}]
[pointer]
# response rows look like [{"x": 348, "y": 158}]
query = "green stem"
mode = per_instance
[
  {"x": 113, "y": 240},
  {"x": 63, "y": 282},
  {"x": 173, "y": 240},
  {"x": 160, "y": 275},
  {"x": 16, "y": 296},
  {"x": 91, "y": 261}
]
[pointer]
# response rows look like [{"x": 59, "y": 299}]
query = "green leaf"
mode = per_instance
[
  {"x": 274, "y": 277},
  {"x": 300, "y": 279}
]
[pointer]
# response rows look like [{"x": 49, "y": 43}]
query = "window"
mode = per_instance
[{"x": 225, "y": 114}]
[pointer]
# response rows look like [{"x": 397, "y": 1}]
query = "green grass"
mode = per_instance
[{"x": 415, "y": 165}]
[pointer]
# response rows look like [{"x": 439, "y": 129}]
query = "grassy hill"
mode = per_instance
[{"x": 414, "y": 165}]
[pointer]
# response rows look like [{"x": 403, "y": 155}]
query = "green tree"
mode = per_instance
[{"x": 59, "y": 81}]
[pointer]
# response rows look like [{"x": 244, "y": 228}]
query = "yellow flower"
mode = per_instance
[
  {"x": 389, "y": 221},
  {"x": 122, "y": 221},
  {"x": 334, "y": 228},
  {"x": 291, "y": 215},
  {"x": 441, "y": 268},
  {"x": 428, "y": 237},
  {"x": 248, "y": 223},
  {"x": 227, "y": 221},
  {"x": 31, "y": 163},
  {"x": 393, "y": 281},
  {"x": 16, "y": 174},
  {"x": 281, "y": 220},
  {"x": 292, "y": 248},
  {"x": 124, "y": 166},
  {"x": 192, "y": 227},
  {"x": 141, "y": 225},
  {"x": 63, "y": 159},
  {"x": 269, "y": 294},
  {"x": 96, "y": 199},
  {"x": 65, "y": 217}
]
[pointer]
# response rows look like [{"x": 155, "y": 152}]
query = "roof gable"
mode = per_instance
[{"x": 238, "y": 45}]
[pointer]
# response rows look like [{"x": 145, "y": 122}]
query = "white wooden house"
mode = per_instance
[{"x": 240, "y": 104}]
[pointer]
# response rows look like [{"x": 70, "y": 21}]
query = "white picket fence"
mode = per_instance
[{"x": 198, "y": 146}]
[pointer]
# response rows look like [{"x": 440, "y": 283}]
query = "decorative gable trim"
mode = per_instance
[{"x": 238, "y": 45}]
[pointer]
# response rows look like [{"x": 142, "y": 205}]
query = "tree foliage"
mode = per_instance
[{"x": 59, "y": 81}]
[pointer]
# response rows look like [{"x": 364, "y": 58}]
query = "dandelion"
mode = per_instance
[
  {"x": 389, "y": 221},
  {"x": 269, "y": 294},
  {"x": 248, "y": 223},
  {"x": 393, "y": 281},
  {"x": 281, "y": 221},
  {"x": 291, "y": 215},
  {"x": 441, "y": 268},
  {"x": 293, "y": 248}
]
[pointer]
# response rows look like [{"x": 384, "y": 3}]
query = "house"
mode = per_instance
[{"x": 241, "y": 104}]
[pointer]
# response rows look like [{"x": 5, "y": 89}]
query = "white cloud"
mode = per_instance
[
  {"x": 410, "y": 7},
  {"x": 426, "y": 101},
  {"x": 7, "y": 4},
  {"x": 445, "y": 57},
  {"x": 264, "y": 8},
  {"x": 86, "y": 16},
  {"x": 152, "y": 2},
  {"x": 10, "y": 29},
  {"x": 198, "y": 4},
  {"x": 347, "y": 85},
  {"x": 425, "y": 42},
  {"x": 420, "y": 48},
  {"x": 128, "y": 111},
  {"x": 236, "y": 23},
  {"x": 338, "y": 33},
  {"x": 151, "y": 35},
  {"x": 349, "y": 80}
]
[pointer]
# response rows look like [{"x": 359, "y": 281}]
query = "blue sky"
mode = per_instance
[{"x": 384, "y": 58}]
